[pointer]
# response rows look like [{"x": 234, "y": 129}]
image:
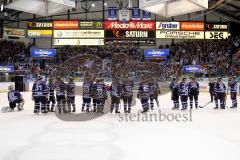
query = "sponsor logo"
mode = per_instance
[
  {"x": 65, "y": 25},
  {"x": 93, "y": 25},
  {"x": 6, "y": 69},
  {"x": 78, "y": 42},
  {"x": 156, "y": 53},
  {"x": 212, "y": 26},
  {"x": 168, "y": 25},
  {"x": 192, "y": 68},
  {"x": 134, "y": 25},
  {"x": 129, "y": 34},
  {"x": 192, "y": 26},
  {"x": 139, "y": 42},
  {"x": 39, "y": 53},
  {"x": 78, "y": 33},
  {"x": 180, "y": 34},
  {"x": 13, "y": 32},
  {"x": 40, "y": 24},
  {"x": 217, "y": 35},
  {"x": 39, "y": 33}
]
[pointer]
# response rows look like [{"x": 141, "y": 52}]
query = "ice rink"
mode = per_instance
[{"x": 211, "y": 135}]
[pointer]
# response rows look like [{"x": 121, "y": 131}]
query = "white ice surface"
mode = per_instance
[{"x": 212, "y": 135}]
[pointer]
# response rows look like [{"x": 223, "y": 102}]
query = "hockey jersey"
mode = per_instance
[
  {"x": 115, "y": 89},
  {"x": 143, "y": 90},
  {"x": 232, "y": 86},
  {"x": 193, "y": 87},
  {"x": 87, "y": 89},
  {"x": 39, "y": 89},
  {"x": 127, "y": 88},
  {"x": 154, "y": 89},
  {"x": 71, "y": 89},
  {"x": 183, "y": 89},
  {"x": 51, "y": 87},
  {"x": 60, "y": 88},
  {"x": 14, "y": 96},
  {"x": 219, "y": 87},
  {"x": 99, "y": 91}
]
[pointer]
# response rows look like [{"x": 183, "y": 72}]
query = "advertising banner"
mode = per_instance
[
  {"x": 156, "y": 53},
  {"x": 91, "y": 25},
  {"x": 131, "y": 25},
  {"x": 147, "y": 16},
  {"x": 122, "y": 34},
  {"x": 168, "y": 25},
  {"x": 112, "y": 13},
  {"x": 192, "y": 26},
  {"x": 40, "y": 25},
  {"x": 65, "y": 24},
  {"x": 131, "y": 41},
  {"x": 39, "y": 33},
  {"x": 78, "y": 34},
  {"x": 192, "y": 69},
  {"x": 6, "y": 69},
  {"x": 136, "y": 14},
  {"x": 216, "y": 27},
  {"x": 124, "y": 15},
  {"x": 164, "y": 34},
  {"x": 43, "y": 53},
  {"x": 216, "y": 35},
  {"x": 13, "y": 32},
  {"x": 78, "y": 42}
]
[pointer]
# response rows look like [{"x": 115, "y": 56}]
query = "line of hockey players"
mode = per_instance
[
  {"x": 190, "y": 90},
  {"x": 94, "y": 95},
  {"x": 97, "y": 94}
]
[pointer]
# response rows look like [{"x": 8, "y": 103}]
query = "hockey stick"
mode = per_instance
[{"x": 205, "y": 105}]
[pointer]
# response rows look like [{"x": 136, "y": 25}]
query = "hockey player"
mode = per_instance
[
  {"x": 154, "y": 92},
  {"x": 143, "y": 95},
  {"x": 60, "y": 88},
  {"x": 115, "y": 90},
  {"x": 183, "y": 90},
  {"x": 51, "y": 98},
  {"x": 193, "y": 92},
  {"x": 100, "y": 95},
  {"x": 71, "y": 95},
  {"x": 127, "y": 94},
  {"x": 175, "y": 94},
  {"x": 39, "y": 95},
  {"x": 15, "y": 99},
  {"x": 87, "y": 94},
  {"x": 232, "y": 87},
  {"x": 211, "y": 89},
  {"x": 220, "y": 91}
]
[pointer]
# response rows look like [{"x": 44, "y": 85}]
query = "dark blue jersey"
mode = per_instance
[
  {"x": 87, "y": 89},
  {"x": 71, "y": 89},
  {"x": 51, "y": 88},
  {"x": 183, "y": 89},
  {"x": 154, "y": 89},
  {"x": 99, "y": 91},
  {"x": 144, "y": 90},
  {"x": 219, "y": 87},
  {"x": 173, "y": 87},
  {"x": 116, "y": 89},
  {"x": 60, "y": 88},
  {"x": 232, "y": 86},
  {"x": 39, "y": 89},
  {"x": 14, "y": 96},
  {"x": 193, "y": 87},
  {"x": 127, "y": 88}
]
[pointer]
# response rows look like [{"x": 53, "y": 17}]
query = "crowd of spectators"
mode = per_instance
[{"x": 217, "y": 58}]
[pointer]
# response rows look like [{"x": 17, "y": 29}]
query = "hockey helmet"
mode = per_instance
[
  {"x": 39, "y": 77},
  {"x": 10, "y": 88}
]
